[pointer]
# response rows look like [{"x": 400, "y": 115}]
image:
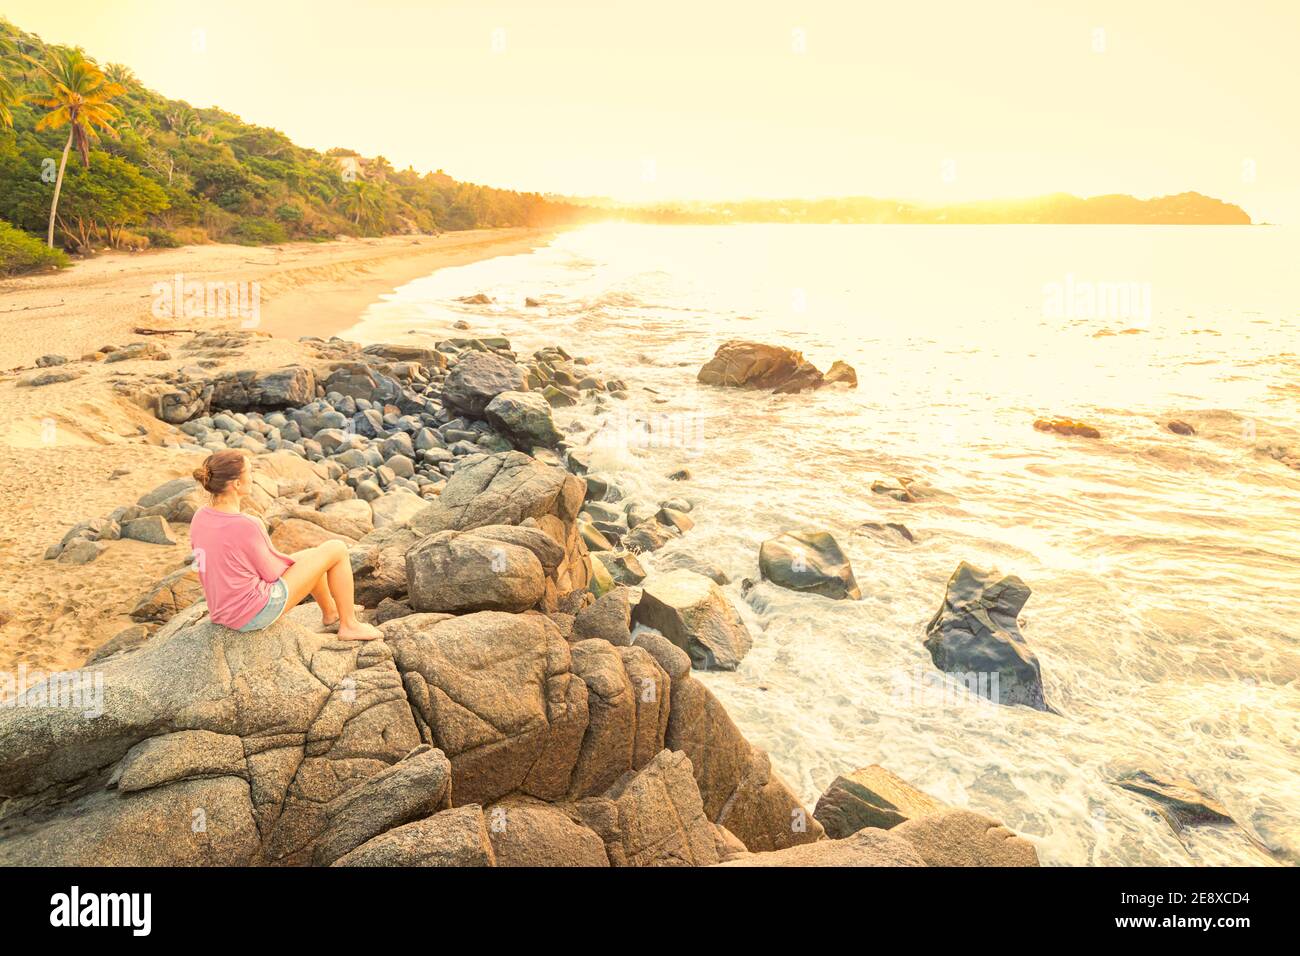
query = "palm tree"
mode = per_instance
[
  {"x": 8, "y": 95},
  {"x": 364, "y": 202},
  {"x": 77, "y": 95},
  {"x": 121, "y": 75},
  {"x": 183, "y": 122}
]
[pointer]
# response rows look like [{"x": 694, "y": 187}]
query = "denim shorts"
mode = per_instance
[{"x": 274, "y": 608}]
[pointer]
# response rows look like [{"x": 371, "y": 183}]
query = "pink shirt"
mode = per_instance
[{"x": 237, "y": 564}]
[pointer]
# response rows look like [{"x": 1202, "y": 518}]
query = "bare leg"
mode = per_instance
[
  {"x": 328, "y": 562},
  {"x": 320, "y": 592}
]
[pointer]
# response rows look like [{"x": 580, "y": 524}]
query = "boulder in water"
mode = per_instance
[
  {"x": 809, "y": 561},
  {"x": 974, "y": 633},
  {"x": 1176, "y": 799},
  {"x": 741, "y": 364}
]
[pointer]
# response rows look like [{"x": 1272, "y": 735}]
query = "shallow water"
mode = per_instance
[{"x": 1165, "y": 569}]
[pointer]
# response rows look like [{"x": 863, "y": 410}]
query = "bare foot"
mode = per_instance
[
  {"x": 331, "y": 625},
  {"x": 359, "y": 631}
]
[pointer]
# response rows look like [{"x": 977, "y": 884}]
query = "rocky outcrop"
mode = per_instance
[
  {"x": 809, "y": 561},
  {"x": 737, "y": 785},
  {"x": 232, "y": 747},
  {"x": 692, "y": 612},
  {"x": 654, "y": 817},
  {"x": 975, "y": 634},
  {"x": 741, "y": 364}
]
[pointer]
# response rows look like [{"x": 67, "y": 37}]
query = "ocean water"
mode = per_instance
[{"x": 1165, "y": 569}]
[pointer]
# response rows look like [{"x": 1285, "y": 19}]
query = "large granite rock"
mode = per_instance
[
  {"x": 255, "y": 391},
  {"x": 527, "y": 832},
  {"x": 963, "y": 838},
  {"x": 974, "y": 633},
  {"x": 654, "y": 817},
  {"x": 412, "y": 788},
  {"x": 454, "y": 837},
  {"x": 476, "y": 379},
  {"x": 510, "y": 488},
  {"x": 459, "y": 572},
  {"x": 809, "y": 561},
  {"x": 693, "y": 613},
  {"x": 358, "y": 380},
  {"x": 496, "y": 693},
  {"x": 168, "y": 597}
]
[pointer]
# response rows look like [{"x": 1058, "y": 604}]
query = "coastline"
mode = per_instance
[
  {"x": 305, "y": 288},
  {"x": 74, "y": 449}
]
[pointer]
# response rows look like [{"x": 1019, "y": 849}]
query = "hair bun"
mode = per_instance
[{"x": 203, "y": 475}]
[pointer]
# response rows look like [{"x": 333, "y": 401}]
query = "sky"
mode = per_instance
[{"x": 649, "y": 101}]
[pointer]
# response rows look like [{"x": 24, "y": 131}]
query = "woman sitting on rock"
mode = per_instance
[{"x": 247, "y": 582}]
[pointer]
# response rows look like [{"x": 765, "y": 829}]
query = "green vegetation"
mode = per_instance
[
  {"x": 21, "y": 253},
  {"x": 151, "y": 171}
]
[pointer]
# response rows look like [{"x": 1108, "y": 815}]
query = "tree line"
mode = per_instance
[{"x": 90, "y": 158}]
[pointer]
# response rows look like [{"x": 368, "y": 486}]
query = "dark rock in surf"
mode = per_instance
[
  {"x": 809, "y": 561},
  {"x": 1180, "y": 428},
  {"x": 1177, "y": 800},
  {"x": 975, "y": 633}
]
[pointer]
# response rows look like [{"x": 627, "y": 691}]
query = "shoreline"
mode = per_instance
[
  {"x": 84, "y": 446},
  {"x": 305, "y": 288}
]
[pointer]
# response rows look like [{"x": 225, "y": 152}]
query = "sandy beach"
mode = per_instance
[
  {"x": 72, "y": 451},
  {"x": 305, "y": 288}
]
